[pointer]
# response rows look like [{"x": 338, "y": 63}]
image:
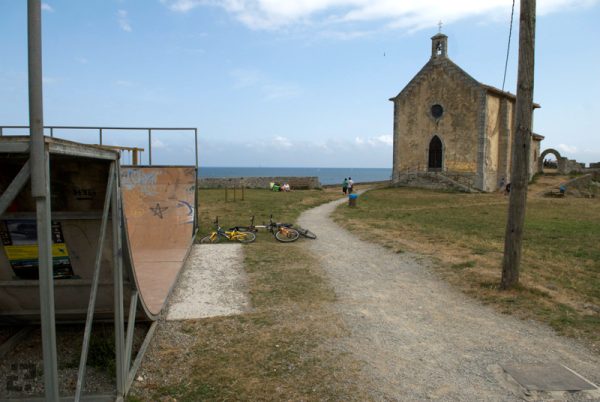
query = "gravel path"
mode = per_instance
[
  {"x": 420, "y": 339},
  {"x": 213, "y": 283}
]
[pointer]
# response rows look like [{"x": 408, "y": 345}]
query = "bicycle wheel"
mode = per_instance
[
  {"x": 287, "y": 235},
  {"x": 246, "y": 237},
  {"x": 306, "y": 233},
  {"x": 211, "y": 238}
]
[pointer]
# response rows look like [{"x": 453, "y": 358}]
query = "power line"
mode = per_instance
[{"x": 512, "y": 14}]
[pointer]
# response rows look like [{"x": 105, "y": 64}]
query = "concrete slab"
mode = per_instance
[
  {"x": 213, "y": 283},
  {"x": 547, "y": 377}
]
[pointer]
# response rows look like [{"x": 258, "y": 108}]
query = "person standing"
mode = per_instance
[
  {"x": 350, "y": 185},
  {"x": 345, "y": 185}
]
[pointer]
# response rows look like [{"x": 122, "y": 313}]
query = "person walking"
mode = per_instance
[
  {"x": 345, "y": 186},
  {"x": 350, "y": 185}
]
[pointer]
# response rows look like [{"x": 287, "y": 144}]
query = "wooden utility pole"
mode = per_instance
[{"x": 521, "y": 148}]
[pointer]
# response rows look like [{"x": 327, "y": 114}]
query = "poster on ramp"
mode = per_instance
[{"x": 19, "y": 240}]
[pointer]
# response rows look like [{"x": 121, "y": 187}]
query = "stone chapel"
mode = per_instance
[{"x": 451, "y": 130}]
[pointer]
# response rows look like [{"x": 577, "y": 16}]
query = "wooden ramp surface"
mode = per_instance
[{"x": 158, "y": 207}]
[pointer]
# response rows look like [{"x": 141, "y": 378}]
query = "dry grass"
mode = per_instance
[
  {"x": 560, "y": 276},
  {"x": 284, "y": 206},
  {"x": 283, "y": 349}
]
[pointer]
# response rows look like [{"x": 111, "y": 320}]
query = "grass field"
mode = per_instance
[
  {"x": 284, "y": 206},
  {"x": 281, "y": 350},
  {"x": 560, "y": 274}
]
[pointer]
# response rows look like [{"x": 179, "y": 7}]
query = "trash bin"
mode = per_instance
[{"x": 352, "y": 200}]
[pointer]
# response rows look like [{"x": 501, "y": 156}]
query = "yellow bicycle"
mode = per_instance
[{"x": 231, "y": 235}]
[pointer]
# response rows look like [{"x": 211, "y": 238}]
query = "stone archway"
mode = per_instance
[
  {"x": 559, "y": 160},
  {"x": 435, "y": 155}
]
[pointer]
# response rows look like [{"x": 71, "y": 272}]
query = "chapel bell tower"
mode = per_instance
[{"x": 439, "y": 46}]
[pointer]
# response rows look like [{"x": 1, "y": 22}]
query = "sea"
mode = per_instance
[{"x": 326, "y": 175}]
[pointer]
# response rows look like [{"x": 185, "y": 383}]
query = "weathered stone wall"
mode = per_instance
[
  {"x": 437, "y": 181},
  {"x": 299, "y": 183},
  {"x": 572, "y": 166},
  {"x": 493, "y": 129},
  {"x": 535, "y": 156},
  {"x": 441, "y": 83},
  {"x": 587, "y": 186}
]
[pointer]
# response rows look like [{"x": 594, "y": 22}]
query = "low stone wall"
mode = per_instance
[
  {"x": 586, "y": 186},
  {"x": 296, "y": 183}
]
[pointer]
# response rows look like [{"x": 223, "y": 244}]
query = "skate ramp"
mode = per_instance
[
  {"x": 158, "y": 207},
  {"x": 158, "y": 213}
]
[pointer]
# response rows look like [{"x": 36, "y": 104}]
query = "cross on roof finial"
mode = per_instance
[{"x": 440, "y": 25}]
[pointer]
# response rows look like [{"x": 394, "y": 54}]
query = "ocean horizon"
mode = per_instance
[{"x": 327, "y": 176}]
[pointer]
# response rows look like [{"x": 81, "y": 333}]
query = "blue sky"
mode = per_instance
[{"x": 287, "y": 83}]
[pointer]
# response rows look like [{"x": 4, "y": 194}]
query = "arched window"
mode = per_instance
[{"x": 435, "y": 154}]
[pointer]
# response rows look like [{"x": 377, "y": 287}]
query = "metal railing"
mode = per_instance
[{"x": 102, "y": 130}]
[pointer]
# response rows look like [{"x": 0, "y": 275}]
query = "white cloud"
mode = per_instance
[
  {"x": 282, "y": 142},
  {"x": 81, "y": 60},
  {"x": 381, "y": 140},
  {"x": 123, "y": 20},
  {"x": 285, "y": 151},
  {"x": 567, "y": 148},
  {"x": 183, "y": 6},
  {"x": 405, "y": 14},
  {"x": 47, "y": 7},
  {"x": 384, "y": 139}
]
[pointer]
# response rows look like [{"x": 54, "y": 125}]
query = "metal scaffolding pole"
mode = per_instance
[
  {"x": 121, "y": 371},
  {"x": 40, "y": 190}
]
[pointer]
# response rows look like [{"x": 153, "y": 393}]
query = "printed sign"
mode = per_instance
[{"x": 19, "y": 238}]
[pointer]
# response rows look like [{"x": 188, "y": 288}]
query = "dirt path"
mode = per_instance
[{"x": 420, "y": 339}]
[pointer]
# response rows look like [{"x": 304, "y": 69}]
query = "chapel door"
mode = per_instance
[{"x": 435, "y": 154}]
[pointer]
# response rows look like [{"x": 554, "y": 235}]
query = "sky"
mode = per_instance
[{"x": 301, "y": 83}]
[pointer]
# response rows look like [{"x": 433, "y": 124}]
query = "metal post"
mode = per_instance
[
  {"x": 40, "y": 190},
  {"x": 36, "y": 112},
  {"x": 130, "y": 329},
  {"x": 46, "y": 284},
  {"x": 100, "y": 136},
  {"x": 196, "y": 146},
  {"x": 118, "y": 287},
  {"x": 150, "y": 147},
  {"x": 0, "y": 131},
  {"x": 51, "y": 132},
  {"x": 196, "y": 200}
]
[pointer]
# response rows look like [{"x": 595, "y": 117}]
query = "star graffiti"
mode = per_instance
[{"x": 158, "y": 210}]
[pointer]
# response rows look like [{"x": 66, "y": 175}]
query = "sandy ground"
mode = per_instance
[
  {"x": 213, "y": 283},
  {"x": 419, "y": 339}
]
